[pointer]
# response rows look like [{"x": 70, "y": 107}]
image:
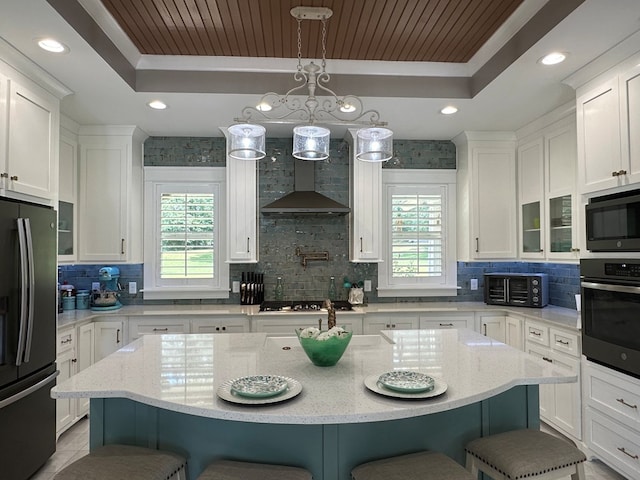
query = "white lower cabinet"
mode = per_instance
[
  {"x": 438, "y": 320},
  {"x": 109, "y": 336},
  {"x": 612, "y": 417},
  {"x": 514, "y": 328},
  {"x": 231, "y": 324},
  {"x": 286, "y": 324},
  {"x": 157, "y": 325},
  {"x": 74, "y": 354},
  {"x": 560, "y": 404},
  {"x": 375, "y": 322},
  {"x": 492, "y": 325}
]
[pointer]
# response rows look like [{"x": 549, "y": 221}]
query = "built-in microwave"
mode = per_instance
[
  {"x": 613, "y": 222},
  {"x": 610, "y": 294},
  {"x": 516, "y": 289}
]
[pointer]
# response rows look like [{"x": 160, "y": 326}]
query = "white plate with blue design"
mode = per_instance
[
  {"x": 226, "y": 391},
  {"x": 372, "y": 383},
  {"x": 407, "y": 381}
]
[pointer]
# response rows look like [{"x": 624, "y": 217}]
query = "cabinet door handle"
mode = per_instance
[
  {"x": 361, "y": 245},
  {"x": 622, "y": 172},
  {"x": 621, "y": 400},
  {"x": 477, "y": 244},
  {"x": 547, "y": 359},
  {"x": 161, "y": 329},
  {"x": 14, "y": 178},
  {"x": 562, "y": 342},
  {"x": 117, "y": 336},
  {"x": 74, "y": 360},
  {"x": 484, "y": 329},
  {"x": 446, "y": 324},
  {"x": 614, "y": 174},
  {"x": 537, "y": 334},
  {"x": 68, "y": 340},
  {"x": 122, "y": 246},
  {"x": 248, "y": 240},
  {"x": 635, "y": 457},
  {"x": 224, "y": 329},
  {"x": 4, "y": 175}
]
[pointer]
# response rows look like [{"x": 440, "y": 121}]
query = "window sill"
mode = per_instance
[
  {"x": 439, "y": 291},
  {"x": 175, "y": 294}
]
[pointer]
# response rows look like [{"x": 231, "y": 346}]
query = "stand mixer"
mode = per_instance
[{"x": 107, "y": 297}]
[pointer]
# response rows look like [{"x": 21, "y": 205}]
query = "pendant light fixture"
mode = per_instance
[
  {"x": 246, "y": 142},
  {"x": 310, "y": 141}
]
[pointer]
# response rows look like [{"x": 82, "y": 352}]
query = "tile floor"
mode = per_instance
[{"x": 74, "y": 443}]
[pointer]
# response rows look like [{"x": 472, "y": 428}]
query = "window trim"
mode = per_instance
[
  {"x": 420, "y": 178},
  {"x": 156, "y": 176}
]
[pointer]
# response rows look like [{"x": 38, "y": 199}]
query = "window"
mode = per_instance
[
  {"x": 183, "y": 242},
  {"x": 419, "y": 233}
]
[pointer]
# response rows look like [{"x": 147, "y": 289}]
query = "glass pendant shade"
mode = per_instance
[
  {"x": 246, "y": 142},
  {"x": 311, "y": 142},
  {"x": 374, "y": 144}
]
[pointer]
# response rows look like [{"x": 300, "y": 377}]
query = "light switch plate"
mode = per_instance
[
  {"x": 367, "y": 285},
  {"x": 95, "y": 285},
  {"x": 133, "y": 288},
  {"x": 474, "y": 284},
  {"x": 235, "y": 286}
]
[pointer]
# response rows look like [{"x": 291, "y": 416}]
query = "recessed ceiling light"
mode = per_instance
[
  {"x": 448, "y": 110},
  {"x": 553, "y": 58},
  {"x": 347, "y": 108},
  {"x": 157, "y": 104},
  {"x": 51, "y": 45},
  {"x": 263, "y": 107}
]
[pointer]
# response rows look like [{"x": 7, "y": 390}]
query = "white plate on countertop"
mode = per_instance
[
  {"x": 372, "y": 383},
  {"x": 259, "y": 386},
  {"x": 294, "y": 387},
  {"x": 407, "y": 381}
]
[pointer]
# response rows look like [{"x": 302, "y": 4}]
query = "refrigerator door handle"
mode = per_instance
[
  {"x": 32, "y": 288},
  {"x": 22, "y": 242},
  {"x": 28, "y": 391}
]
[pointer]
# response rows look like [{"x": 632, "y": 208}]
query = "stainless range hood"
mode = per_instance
[{"x": 304, "y": 200}]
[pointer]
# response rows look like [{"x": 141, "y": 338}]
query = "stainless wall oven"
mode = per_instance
[{"x": 610, "y": 294}]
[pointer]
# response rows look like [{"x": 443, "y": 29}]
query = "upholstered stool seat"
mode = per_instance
[
  {"x": 423, "y": 465},
  {"x": 529, "y": 454},
  {"x": 112, "y": 462},
  {"x": 234, "y": 470}
]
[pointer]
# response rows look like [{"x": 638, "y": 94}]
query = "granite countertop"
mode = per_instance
[
  {"x": 564, "y": 317},
  {"x": 182, "y": 373}
]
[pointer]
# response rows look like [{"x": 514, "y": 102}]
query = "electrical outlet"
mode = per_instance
[
  {"x": 367, "y": 285},
  {"x": 95, "y": 285},
  {"x": 133, "y": 288},
  {"x": 235, "y": 287},
  {"x": 474, "y": 284}
]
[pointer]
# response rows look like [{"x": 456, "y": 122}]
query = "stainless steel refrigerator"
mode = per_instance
[{"x": 27, "y": 337}]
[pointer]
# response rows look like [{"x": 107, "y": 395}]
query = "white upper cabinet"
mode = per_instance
[
  {"x": 486, "y": 191},
  {"x": 608, "y": 122},
  {"x": 365, "y": 201},
  {"x": 68, "y": 192},
  {"x": 242, "y": 209},
  {"x": 110, "y": 200},
  {"x": 531, "y": 188},
  {"x": 630, "y": 123},
  {"x": 29, "y": 135},
  {"x": 547, "y": 186}
]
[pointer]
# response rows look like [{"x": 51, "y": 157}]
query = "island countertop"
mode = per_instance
[{"x": 182, "y": 372}]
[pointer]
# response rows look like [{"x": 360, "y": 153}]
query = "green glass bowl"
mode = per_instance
[{"x": 325, "y": 353}]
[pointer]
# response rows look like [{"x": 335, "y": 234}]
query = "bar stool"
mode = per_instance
[
  {"x": 526, "y": 454},
  {"x": 234, "y": 470},
  {"x": 425, "y": 465},
  {"x": 112, "y": 462}
]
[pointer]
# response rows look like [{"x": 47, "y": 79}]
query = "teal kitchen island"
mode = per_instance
[{"x": 164, "y": 392}]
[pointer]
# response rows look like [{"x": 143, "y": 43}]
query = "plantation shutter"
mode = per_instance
[
  {"x": 187, "y": 235},
  {"x": 417, "y": 235}
]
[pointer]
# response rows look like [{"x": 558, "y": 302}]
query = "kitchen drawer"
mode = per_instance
[
  {"x": 537, "y": 332},
  {"x": 158, "y": 326},
  {"x": 437, "y": 320},
  {"x": 66, "y": 340},
  {"x": 614, "y": 443},
  {"x": 614, "y": 394},
  {"x": 565, "y": 342}
]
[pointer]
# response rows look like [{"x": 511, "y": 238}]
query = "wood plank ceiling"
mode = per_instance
[{"x": 390, "y": 30}]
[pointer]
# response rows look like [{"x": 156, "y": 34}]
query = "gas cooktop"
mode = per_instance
[{"x": 302, "y": 306}]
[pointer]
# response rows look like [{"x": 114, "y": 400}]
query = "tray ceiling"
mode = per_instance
[{"x": 399, "y": 30}]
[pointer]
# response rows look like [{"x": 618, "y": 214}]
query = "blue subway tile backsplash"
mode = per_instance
[{"x": 279, "y": 237}]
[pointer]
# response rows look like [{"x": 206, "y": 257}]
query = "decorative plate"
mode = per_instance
[
  {"x": 293, "y": 388},
  {"x": 406, "y": 381},
  {"x": 372, "y": 383},
  {"x": 259, "y": 386}
]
